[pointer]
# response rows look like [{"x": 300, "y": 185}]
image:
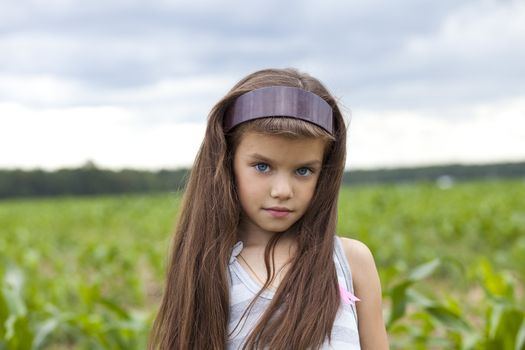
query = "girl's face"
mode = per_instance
[{"x": 276, "y": 178}]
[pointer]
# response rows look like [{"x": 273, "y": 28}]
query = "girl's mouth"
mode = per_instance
[{"x": 278, "y": 212}]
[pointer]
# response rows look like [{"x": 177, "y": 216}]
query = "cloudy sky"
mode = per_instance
[{"x": 130, "y": 83}]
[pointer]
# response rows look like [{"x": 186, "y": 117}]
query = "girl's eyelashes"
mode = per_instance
[
  {"x": 304, "y": 171},
  {"x": 262, "y": 167},
  {"x": 265, "y": 168}
]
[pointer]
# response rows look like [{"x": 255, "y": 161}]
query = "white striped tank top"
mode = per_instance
[{"x": 243, "y": 289}]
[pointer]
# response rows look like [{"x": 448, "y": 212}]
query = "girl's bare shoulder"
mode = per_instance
[
  {"x": 367, "y": 287},
  {"x": 358, "y": 255}
]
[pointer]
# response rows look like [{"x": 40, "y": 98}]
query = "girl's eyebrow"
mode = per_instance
[{"x": 262, "y": 158}]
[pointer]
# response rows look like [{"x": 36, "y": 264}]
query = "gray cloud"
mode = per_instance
[{"x": 375, "y": 54}]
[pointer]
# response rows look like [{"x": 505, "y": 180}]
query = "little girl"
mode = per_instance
[{"x": 255, "y": 262}]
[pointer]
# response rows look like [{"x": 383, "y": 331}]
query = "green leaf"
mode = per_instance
[
  {"x": 399, "y": 293},
  {"x": 13, "y": 281},
  {"x": 495, "y": 319},
  {"x": 115, "y": 308},
  {"x": 424, "y": 270},
  {"x": 419, "y": 299},
  {"x": 448, "y": 318},
  {"x": 520, "y": 338},
  {"x": 399, "y": 300},
  {"x": 43, "y": 332},
  {"x": 505, "y": 327},
  {"x": 18, "y": 334},
  {"x": 495, "y": 283}
]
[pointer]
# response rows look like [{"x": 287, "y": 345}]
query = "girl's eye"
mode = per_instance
[
  {"x": 303, "y": 171},
  {"x": 262, "y": 167}
]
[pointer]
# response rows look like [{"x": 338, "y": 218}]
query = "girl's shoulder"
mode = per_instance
[
  {"x": 362, "y": 264},
  {"x": 367, "y": 287},
  {"x": 357, "y": 253}
]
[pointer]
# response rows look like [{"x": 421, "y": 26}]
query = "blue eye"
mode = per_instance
[
  {"x": 262, "y": 167},
  {"x": 303, "y": 171}
]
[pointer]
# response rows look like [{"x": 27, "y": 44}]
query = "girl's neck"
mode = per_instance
[
  {"x": 252, "y": 255},
  {"x": 257, "y": 239}
]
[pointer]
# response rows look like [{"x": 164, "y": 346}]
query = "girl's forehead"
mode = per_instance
[
  {"x": 275, "y": 146},
  {"x": 266, "y": 139}
]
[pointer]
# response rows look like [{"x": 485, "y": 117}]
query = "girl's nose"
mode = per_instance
[{"x": 281, "y": 188}]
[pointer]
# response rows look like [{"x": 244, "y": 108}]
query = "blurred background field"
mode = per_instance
[
  {"x": 102, "y": 99},
  {"x": 87, "y": 272}
]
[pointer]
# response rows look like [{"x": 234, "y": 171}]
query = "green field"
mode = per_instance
[{"x": 86, "y": 273}]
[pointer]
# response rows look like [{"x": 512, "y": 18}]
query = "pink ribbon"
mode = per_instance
[{"x": 348, "y": 298}]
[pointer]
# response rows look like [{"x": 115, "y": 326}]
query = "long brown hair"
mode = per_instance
[{"x": 194, "y": 310}]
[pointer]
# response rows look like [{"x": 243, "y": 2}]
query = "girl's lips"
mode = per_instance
[{"x": 278, "y": 212}]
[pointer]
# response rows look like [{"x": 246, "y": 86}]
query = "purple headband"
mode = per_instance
[{"x": 279, "y": 101}]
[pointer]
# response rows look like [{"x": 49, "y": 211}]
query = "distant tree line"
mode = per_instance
[
  {"x": 89, "y": 179},
  {"x": 454, "y": 172}
]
